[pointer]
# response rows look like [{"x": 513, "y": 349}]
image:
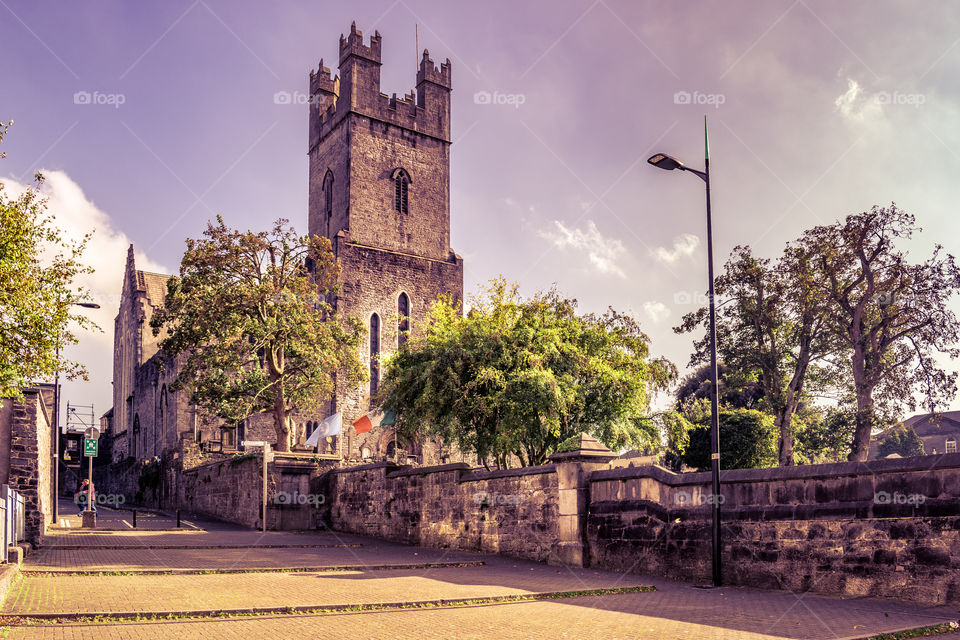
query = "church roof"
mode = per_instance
[{"x": 155, "y": 286}]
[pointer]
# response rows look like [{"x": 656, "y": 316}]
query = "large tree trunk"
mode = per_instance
[
  {"x": 860, "y": 449},
  {"x": 794, "y": 391},
  {"x": 786, "y": 440},
  {"x": 280, "y": 420},
  {"x": 863, "y": 390}
]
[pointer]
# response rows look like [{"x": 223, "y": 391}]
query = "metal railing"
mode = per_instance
[{"x": 12, "y": 519}]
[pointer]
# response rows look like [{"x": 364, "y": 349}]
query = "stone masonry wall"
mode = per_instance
[
  {"x": 231, "y": 490},
  {"x": 512, "y": 512},
  {"x": 27, "y": 468},
  {"x": 882, "y": 528},
  {"x": 227, "y": 490}
]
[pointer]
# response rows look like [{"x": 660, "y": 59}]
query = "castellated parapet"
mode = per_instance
[{"x": 356, "y": 89}]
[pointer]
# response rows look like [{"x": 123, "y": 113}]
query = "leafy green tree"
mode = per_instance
[
  {"x": 250, "y": 322},
  {"x": 771, "y": 334},
  {"x": 891, "y": 315},
  {"x": 736, "y": 391},
  {"x": 748, "y": 439},
  {"x": 38, "y": 267},
  {"x": 825, "y": 436},
  {"x": 903, "y": 441},
  {"x": 516, "y": 378}
]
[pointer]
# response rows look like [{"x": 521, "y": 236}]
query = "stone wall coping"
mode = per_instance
[
  {"x": 370, "y": 467},
  {"x": 582, "y": 456},
  {"x": 775, "y": 474},
  {"x": 205, "y": 465},
  {"x": 507, "y": 473},
  {"x": 422, "y": 471},
  {"x": 305, "y": 456}
]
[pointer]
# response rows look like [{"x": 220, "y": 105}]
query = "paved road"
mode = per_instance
[
  {"x": 97, "y": 595},
  {"x": 675, "y": 610}
]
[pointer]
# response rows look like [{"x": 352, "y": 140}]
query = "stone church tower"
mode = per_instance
[{"x": 380, "y": 190}]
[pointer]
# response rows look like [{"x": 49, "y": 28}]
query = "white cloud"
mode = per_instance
[
  {"x": 656, "y": 311},
  {"x": 684, "y": 245},
  {"x": 75, "y": 215},
  {"x": 855, "y": 106},
  {"x": 602, "y": 252}
]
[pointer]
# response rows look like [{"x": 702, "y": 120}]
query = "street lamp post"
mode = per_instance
[
  {"x": 56, "y": 423},
  {"x": 663, "y": 161}
]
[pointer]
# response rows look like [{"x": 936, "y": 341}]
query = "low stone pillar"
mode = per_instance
[
  {"x": 89, "y": 520},
  {"x": 573, "y": 469}
]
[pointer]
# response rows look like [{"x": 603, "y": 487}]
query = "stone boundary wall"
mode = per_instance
[
  {"x": 231, "y": 490},
  {"x": 227, "y": 490},
  {"x": 882, "y": 528},
  {"x": 879, "y": 528},
  {"x": 513, "y": 512},
  {"x": 27, "y": 432}
]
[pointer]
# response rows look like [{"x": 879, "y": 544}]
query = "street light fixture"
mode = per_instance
[
  {"x": 56, "y": 422},
  {"x": 669, "y": 163}
]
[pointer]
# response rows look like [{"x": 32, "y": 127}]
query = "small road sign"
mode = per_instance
[
  {"x": 90, "y": 447},
  {"x": 92, "y": 432},
  {"x": 253, "y": 443}
]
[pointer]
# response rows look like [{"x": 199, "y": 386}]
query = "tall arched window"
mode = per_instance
[
  {"x": 401, "y": 183},
  {"x": 135, "y": 449},
  {"x": 164, "y": 405},
  {"x": 328, "y": 199},
  {"x": 403, "y": 314},
  {"x": 374, "y": 354}
]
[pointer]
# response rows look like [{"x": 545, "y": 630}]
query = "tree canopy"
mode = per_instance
[
  {"x": 772, "y": 333},
  {"x": 514, "y": 378},
  {"x": 903, "y": 441},
  {"x": 748, "y": 440},
  {"x": 38, "y": 269},
  {"x": 250, "y": 322},
  {"x": 891, "y": 314},
  {"x": 844, "y": 313}
]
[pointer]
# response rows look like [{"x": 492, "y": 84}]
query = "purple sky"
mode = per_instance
[{"x": 817, "y": 110}]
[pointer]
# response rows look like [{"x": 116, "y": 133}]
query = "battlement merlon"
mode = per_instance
[
  {"x": 353, "y": 45},
  {"x": 430, "y": 73},
  {"x": 322, "y": 81},
  {"x": 356, "y": 90}
]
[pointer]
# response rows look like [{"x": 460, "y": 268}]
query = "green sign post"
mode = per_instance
[{"x": 90, "y": 447}]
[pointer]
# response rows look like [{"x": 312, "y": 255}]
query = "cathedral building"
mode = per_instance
[{"x": 379, "y": 189}]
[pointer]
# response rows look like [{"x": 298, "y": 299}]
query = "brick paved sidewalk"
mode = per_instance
[
  {"x": 162, "y": 538},
  {"x": 96, "y": 595},
  {"x": 676, "y": 610},
  {"x": 369, "y": 552},
  {"x": 670, "y": 614},
  {"x": 121, "y": 519}
]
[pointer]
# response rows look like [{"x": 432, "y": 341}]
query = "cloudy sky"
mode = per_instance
[{"x": 151, "y": 118}]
